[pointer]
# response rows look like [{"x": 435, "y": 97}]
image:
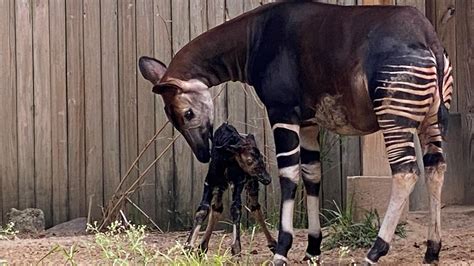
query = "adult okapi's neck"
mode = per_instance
[{"x": 218, "y": 55}]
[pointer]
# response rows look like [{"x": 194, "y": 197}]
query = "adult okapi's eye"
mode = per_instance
[{"x": 189, "y": 114}]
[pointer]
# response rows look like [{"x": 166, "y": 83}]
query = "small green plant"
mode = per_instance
[
  {"x": 345, "y": 232},
  {"x": 122, "y": 245},
  {"x": 8, "y": 232},
  {"x": 179, "y": 256}
]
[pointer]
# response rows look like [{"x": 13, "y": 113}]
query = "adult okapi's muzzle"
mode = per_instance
[{"x": 198, "y": 139}]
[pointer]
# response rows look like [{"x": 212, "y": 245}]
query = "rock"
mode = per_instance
[
  {"x": 70, "y": 228},
  {"x": 30, "y": 220}
]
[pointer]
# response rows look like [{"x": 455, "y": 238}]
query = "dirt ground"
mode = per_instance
[{"x": 458, "y": 244}]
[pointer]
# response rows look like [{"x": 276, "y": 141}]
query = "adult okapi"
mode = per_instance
[{"x": 352, "y": 70}]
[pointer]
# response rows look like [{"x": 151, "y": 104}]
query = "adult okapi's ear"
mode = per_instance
[{"x": 151, "y": 69}]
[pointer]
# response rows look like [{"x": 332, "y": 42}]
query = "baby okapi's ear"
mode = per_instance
[
  {"x": 151, "y": 69},
  {"x": 251, "y": 139}
]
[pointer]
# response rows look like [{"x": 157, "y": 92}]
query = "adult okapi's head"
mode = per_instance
[{"x": 188, "y": 105}]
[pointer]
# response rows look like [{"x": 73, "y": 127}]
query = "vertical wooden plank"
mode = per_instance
[
  {"x": 146, "y": 105},
  {"x": 445, "y": 24},
  {"x": 93, "y": 110},
  {"x": 57, "y": 12},
  {"x": 75, "y": 108},
  {"x": 198, "y": 24},
  {"x": 8, "y": 140},
  {"x": 110, "y": 99},
  {"x": 378, "y": 2},
  {"x": 183, "y": 156},
  {"x": 350, "y": 162},
  {"x": 374, "y": 156},
  {"x": 25, "y": 130},
  {"x": 165, "y": 168},
  {"x": 465, "y": 84},
  {"x": 419, "y": 4},
  {"x": 127, "y": 88},
  {"x": 331, "y": 169},
  {"x": 42, "y": 100},
  {"x": 215, "y": 14}
]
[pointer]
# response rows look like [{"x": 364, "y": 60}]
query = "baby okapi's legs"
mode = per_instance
[
  {"x": 236, "y": 214},
  {"x": 256, "y": 212},
  {"x": 216, "y": 211},
  {"x": 200, "y": 216},
  {"x": 311, "y": 172},
  {"x": 287, "y": 147}
]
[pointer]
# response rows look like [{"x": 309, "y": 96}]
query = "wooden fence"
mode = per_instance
[{"x": 74, "y": 111}]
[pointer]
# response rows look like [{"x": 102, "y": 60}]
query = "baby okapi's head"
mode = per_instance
[{"x": 242, "y": 148}]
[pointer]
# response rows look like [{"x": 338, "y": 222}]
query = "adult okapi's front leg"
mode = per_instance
[
  {"x": 200, "y": 216},
  {"x": 311, "y": 172},
  {"x": 286, "y": 135},
  {"x": 236, "y": 214},
  {"x": 256, "y": 211}
]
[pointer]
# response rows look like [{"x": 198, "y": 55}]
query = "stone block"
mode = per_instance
[{"x": 29, "y": 220}]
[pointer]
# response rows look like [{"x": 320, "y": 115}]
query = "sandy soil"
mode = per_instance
[{"x": 458, "y": 244}]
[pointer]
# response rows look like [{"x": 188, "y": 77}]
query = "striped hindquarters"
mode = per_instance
[
  {"x": 405, "y": 94},
  {"x": 447, "y": 89}
]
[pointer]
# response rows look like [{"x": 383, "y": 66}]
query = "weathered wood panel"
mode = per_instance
[
  {"x": 165, "y": 168},
  {"x": 42, "y": 102},
  {"x": 24, "y": 92},
  {"x": 146, "y": 106},
  {"x": 128, "y": 91},
  {"x": 8, "y": 134},
  {"x": 110, "y": 96},
  {"x": 75, "y": 99},
  {"x": 57, "y": 15},
  {"x": 93, "y": 109},
  {"x": 184, "y": 206},
  {"x": 198, "y": 25},
  {"x": 465, "y": 84},
  {"x": 331, "y": 169}
]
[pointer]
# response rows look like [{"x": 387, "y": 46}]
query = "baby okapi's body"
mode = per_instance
[
  {"x": 353, "y": 70},
  {"x": 236, "y": 160}
]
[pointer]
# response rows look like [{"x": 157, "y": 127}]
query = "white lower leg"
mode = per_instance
[
  {"x": 434, "y": 180},
  {"x": 402, "y": 186}
]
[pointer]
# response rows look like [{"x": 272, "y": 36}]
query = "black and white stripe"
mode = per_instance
[{"x": 287, "y": 144}]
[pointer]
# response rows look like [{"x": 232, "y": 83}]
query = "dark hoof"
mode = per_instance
[
  {"x": 235, "y": 250},
  {"x": 432, "y": 252},
  {"x": 203, "y": 248}
]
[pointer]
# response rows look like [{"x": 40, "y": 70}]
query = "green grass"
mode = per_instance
[
  {"x": 345, "y": 232},
  {"x": 8, "y": 232}
]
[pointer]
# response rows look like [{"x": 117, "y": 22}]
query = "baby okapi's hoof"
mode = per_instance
[
  {"x": 312, "y": 260},
  {"x": 272, "y": 246},
  {"x": 432, "y": 252},
  {"x": 235, "y": 249}
]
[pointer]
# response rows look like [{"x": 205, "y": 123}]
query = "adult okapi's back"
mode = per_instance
[{"x": 352, "y": 70}]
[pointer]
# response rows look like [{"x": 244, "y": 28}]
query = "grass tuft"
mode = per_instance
[
  {"x": 344, "y": 231},
  {"x": 8, "y": 232}
]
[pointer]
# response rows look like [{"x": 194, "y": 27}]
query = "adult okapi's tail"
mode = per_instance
[{"x": 445, "y": 84}]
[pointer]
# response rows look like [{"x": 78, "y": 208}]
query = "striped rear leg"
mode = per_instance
[
  {"x": 406, "y": 89},
  {"x": 431, "y": 137},
  {"x": 288, "y": 157},
  {"x": 435, "y": 167},
  {"x": 311, "y": 172}
]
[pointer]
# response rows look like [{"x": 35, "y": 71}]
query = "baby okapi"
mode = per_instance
[{"x": 235, "y": 159}]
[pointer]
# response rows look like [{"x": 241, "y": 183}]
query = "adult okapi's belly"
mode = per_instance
[{"x": 333, "y": 113}]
